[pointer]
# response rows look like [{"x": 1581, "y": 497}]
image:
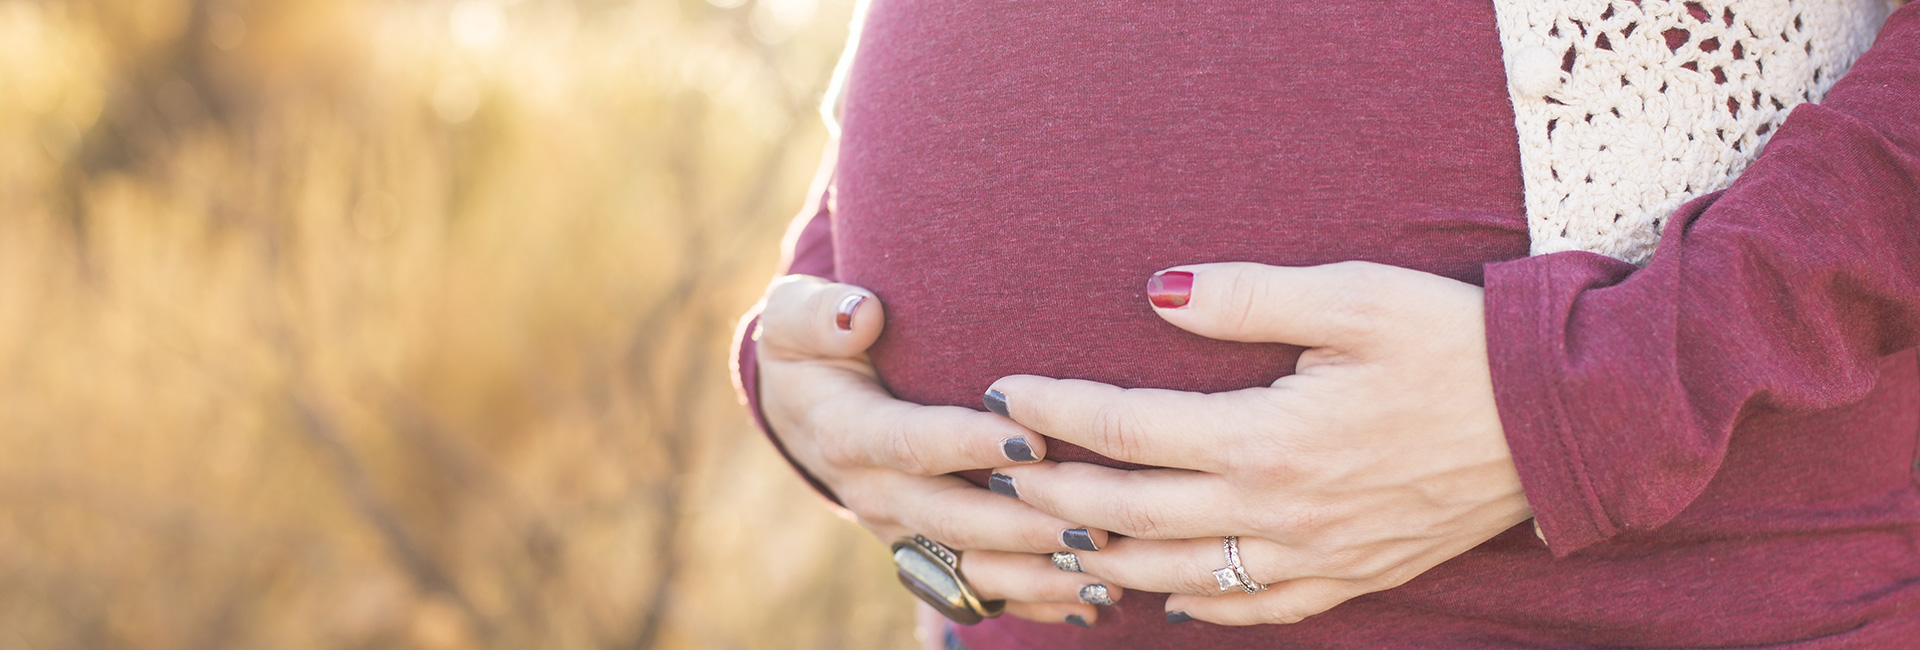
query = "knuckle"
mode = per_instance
[
  {"x": 782, "y": 291},
  {"x": 868, "y": 504},
  {"x": 1386, "y": 570},
  {"x": 1358, "y": 307},
  {"x": 881, "y": 530},
  {"x": 1361, "y": 272},
  {"x": 1352, "y": 564},
  {"x": 1261, "y": 466},
  {"x": 1282, "y": 613},
  {"x": 1139, "y": 520},
  {"x": 1197, "y": 581},
  {"x": 1114, "y": 429},
  {"x": 1307, "y": 519},
  {"x": 903, "y": 449},
  {"x": 959, "y": 532},
  {"x": 789, "y": 300},
  {"x": 1388, "y": 576},
  {"x": 1352, "y": 315},
  {"x": 1264, "y": 460},
  {"x": 819, "y": 301},
  {"x": 861, "y": 506},
  {"x": 1244, "y": 294},
  {"x": 1298, "y": 522},
  {"x": 810, "y": 328},
  {"x": 946, "y": 527},
  {"x": 837, "y": 451}
]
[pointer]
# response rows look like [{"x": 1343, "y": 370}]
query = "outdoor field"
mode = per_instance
[{"x": 404, "y": 324}]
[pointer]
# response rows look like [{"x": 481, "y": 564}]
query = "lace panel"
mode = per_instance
[{"x": 1628, "y": 108}]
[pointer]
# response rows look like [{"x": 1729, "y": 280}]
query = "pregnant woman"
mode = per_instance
[{"x": 1298, "y": 312}]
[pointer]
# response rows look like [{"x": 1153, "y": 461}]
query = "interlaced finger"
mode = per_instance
[
  {"x": 853, "y": 422},
  {"x": 1032, "y": 578},
  {"x": 1146, "y": 504},
  {"x": 1163, "y": 428},
  {"x": 1187, "y": 566},
  {"x": 959, "y": 514}
]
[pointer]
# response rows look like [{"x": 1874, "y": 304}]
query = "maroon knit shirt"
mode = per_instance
[{"x": 1720, "y": 447}]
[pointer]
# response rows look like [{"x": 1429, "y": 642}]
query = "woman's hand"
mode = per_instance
[
  {"x": 1381, "y": 457},
  {"x": 888, "y": 460}
]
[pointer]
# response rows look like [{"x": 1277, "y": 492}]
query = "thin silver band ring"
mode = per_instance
[{"x": 1242, "y": 579}]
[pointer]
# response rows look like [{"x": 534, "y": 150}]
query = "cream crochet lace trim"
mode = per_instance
[{"x": 1628, "y": 108}]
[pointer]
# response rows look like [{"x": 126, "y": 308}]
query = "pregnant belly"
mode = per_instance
[{"x": 1011, "y": 174}]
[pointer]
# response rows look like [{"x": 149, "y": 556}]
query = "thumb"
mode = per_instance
[
  {"x": 806, "y": 317},
  {"x": 1329, "y": 306}
]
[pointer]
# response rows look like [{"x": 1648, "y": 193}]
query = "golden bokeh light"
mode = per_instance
[{"x": 403, "y": 324}]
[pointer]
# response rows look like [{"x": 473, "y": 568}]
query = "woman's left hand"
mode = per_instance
[{"x": 1379, "y": 458}]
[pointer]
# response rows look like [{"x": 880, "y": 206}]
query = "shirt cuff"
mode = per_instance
[{"x": 1525, "y": 322}]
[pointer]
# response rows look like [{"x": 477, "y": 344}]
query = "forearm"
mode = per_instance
[{"x": 1620, "y": 388}]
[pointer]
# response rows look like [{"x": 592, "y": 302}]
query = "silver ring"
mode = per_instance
[
  {"x": 1238, "y": 572},
  {"x": 1226, "y": 575},
  {"x": 1066, "y": 561}
]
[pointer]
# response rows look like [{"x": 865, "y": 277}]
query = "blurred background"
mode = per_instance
[{"x": 404, "y": 324}]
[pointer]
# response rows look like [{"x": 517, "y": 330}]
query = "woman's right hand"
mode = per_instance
[{"x": 888, "y": 461}]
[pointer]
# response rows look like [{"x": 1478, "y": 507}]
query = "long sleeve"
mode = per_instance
[
  {"x": 807, "y": 249},
  {"x": 1620, "y": 388}
]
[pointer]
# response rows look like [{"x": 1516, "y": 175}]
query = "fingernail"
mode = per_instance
[
  {"x": 1178, "y": 617},
  {"x": 1095, "y": 595},
  {"x": 1078, "y": 539},
  {"x": 1170, "y": 289},
  {"x": 1003, "y": 485},
  {"x": 843, "y": 313},
  {"x": 1079, "y": 620},
  {"x": 996, "y": 401},
  {"x": 1017, "y": 450}
]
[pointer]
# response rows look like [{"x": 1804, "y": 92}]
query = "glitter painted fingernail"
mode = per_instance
[
  {"x": 1178, "y": 617},
  {"x": 1078, "y": 620},
  {"x": 1095, "y": 595}
]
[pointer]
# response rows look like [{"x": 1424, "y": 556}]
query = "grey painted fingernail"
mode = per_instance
[
  {"x": 1003, "y": 485},
  {"x": 1095, "y": 595},
  {"x": 1078, "y": 539},
  {"x": 1178, "y": 617},
  {"x": 1079, "y": 620},
  {"x": 1017, "y": 450},
  {"x": 996, "y": 401}
]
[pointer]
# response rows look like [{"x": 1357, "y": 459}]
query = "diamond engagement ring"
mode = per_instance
[{"x": 1235, "y": 574}]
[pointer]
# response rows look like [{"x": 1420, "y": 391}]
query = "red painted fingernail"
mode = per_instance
[
  {"x": 844, "y": 312},
  {"x": 1170, "y": 289}
]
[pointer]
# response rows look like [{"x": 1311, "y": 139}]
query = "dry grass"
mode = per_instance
[{"x": 402, "y": 324}]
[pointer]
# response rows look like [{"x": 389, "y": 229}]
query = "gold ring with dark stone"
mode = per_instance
[{"x": 932, "y": 572}]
